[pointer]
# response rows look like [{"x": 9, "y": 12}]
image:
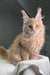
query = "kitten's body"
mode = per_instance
[{"x": 28, "y": 44}]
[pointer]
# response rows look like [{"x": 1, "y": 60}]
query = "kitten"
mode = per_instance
[{"x": 28, "y": 44}]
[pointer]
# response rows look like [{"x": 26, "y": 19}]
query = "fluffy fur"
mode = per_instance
[{"x": 28, "y": 44}]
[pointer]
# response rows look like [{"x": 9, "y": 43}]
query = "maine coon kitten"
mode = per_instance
[{"x": 28, "y": 44}]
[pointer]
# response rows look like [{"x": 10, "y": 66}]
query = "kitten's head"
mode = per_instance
[{"x": 32, "y": 26}]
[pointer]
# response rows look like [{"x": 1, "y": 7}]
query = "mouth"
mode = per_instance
[{"x": 33, "y": 32}]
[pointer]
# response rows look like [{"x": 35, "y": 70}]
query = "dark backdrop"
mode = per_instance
[{"x": 11, "y": 19}]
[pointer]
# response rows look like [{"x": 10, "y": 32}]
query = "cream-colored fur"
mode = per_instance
[{"x": 28, "y": 44}]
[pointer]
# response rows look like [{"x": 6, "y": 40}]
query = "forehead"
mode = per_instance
[{"x": 32, "y": 21}]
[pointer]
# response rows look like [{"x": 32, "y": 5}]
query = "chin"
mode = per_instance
[{"x": 36, "y": 33}]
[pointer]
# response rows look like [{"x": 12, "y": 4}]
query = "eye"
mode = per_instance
[{"x": 30, "y": 27}]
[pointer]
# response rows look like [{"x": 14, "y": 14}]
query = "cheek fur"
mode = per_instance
[{"x": 39, "y": 29}]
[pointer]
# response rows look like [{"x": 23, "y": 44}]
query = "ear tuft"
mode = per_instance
[
  {"x": 39, "y": 10},
  {"x": 23, "y": 12},
  {"x": 42, "y": 17}
]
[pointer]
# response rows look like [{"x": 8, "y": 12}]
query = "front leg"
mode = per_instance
[{"x": 25, "y": 55}]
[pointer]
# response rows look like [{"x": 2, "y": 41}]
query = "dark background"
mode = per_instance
[{"x": 11, "y": 19}]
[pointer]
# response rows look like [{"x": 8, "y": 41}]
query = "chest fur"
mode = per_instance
[{"x": 33, "y": 43}]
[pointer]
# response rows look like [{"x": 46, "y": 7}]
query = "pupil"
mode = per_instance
[{"x": 30, "y": 27}]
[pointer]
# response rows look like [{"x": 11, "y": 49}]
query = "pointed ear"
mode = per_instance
[
  {"x": 25, "y": 16},
  {"x": 38, "y": 15}
]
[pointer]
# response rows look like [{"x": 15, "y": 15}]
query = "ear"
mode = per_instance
[
  {"x": 25, "y": 16},
  {"x": 38, "y": 16}
]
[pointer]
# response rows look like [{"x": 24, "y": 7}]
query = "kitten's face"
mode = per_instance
[{"x": 32, "y": 26}]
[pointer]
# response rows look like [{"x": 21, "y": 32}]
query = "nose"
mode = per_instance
[{"x": 33, "y": 30}]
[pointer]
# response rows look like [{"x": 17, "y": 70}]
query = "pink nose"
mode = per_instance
[{"x": 33, "y": 30}]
